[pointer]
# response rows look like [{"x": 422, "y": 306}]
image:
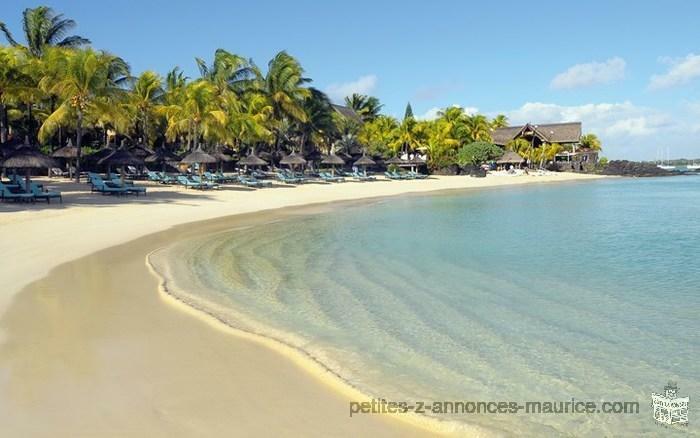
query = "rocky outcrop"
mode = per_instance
[{"x": 633, "y": 168}]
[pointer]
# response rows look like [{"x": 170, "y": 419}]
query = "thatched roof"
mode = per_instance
[
  {"x": 551, "y": 133},
  {"x": 101, "y": 153},
  {"x": 293, "y": 159},
  {"x": 347, "y": 112},
  {"x": 394, "y": 160},
  {"x": 364, "y": 161},
  {"x": 198, "y": 156},
  {"x": 510, "y": 157},
  {"x": 333, "y": 159},
  {"x": 223, "y": 153},
  {"x": 67, "y": 151},
  {"x": 27, "y": 157},
  {"x": 251, "y": 160},
  {"x": 162, "y": 155},
  {"x": 121, "y": 157},
  {"x": 141, "y": 150}
]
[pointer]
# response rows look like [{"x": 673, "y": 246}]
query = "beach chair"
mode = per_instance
[
  {"x": 391, "y": 175},
  {"x": 205, "y": 184},
  {"x": 287, "y": 179},
  {"x": 48, "y": 195},
  {"x": 154, "y": 177},
  {"x": 325, "y": 176},
  {"x": 361, "y": 177},
  {"x": 416, "y": 175},
  {"x": 165, "y": 178},
  {"x": 184, "y": 181},
  {"x": 105, "y": 187},
  {"x": 6, "y": 195},
  {"x": 130, "y": 187}
]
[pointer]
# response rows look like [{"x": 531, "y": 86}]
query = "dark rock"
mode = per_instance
[
  {"x": 633, "y": 168},
  {"x": 452, "y": 169}
]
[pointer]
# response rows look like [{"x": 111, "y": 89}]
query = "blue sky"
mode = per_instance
[{"x": 629, "y": 72}]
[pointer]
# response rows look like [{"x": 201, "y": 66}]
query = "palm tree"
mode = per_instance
[
  {"x": 42, "y": 28},
  {"x": 89, "y": 84},
  {"x": 284, "y": 87},
  {"x": 11, "y": 78},
  {"x": 197, "y": 113},
  {"x": 146, "y": 93},
  {"x": 591, "y": 141},
  {"x": 478, "y": 128},
  {"x": 228, "y": 72},
  {"x": 367, "y": 107},
  {"x": 522, "y": 147},
  {"x": 500, "y": 121}
]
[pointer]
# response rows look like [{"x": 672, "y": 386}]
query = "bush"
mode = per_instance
[{"x": 478, "y": 152}]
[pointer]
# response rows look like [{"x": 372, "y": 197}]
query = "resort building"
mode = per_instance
[{"x": 573, "y": 158}]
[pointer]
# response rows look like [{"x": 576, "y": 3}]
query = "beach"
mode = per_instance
[{"x": 89, "y": 345}]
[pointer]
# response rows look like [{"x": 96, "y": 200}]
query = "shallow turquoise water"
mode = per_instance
[{"x": 539, "y": 293}]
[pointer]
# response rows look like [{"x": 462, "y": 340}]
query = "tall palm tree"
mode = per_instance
[
  {"x": 228, "y": 71},
  {"x": 90, "y": 86},
  {"x": 43, "y": 27},
  {"x": 198, "y": 113},
  {"x": 478, "y": 128},
  {"x": 367, "y": 107},
  {"x": 284, "y": 87},
  {"x": 146, "y": 93}
]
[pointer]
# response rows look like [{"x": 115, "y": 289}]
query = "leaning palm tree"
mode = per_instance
[
  {"x": 284, "y": 87},
  {"x": 44, "y": 28},
  {"x": 89, "y": 85}
]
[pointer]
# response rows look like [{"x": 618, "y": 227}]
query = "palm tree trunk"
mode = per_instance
[
  {"x": 78, "y": 145},
  {"x": 3, "y": 122}
]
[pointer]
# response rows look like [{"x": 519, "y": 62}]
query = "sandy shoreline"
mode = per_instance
[{"x": 74, "y": 349}]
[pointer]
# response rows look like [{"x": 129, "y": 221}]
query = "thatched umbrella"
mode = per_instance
[
  {"x": 252, "y": 160},
  {"x": 140, "y": 150},
  {"x": 293, "y": 159},
  {"x": 223, "y": 154},
  {"x": 121, "y": 157},
  {"x": 200, "y": 157},
  {"x": 363, "y": 162},
  {"x": 28, "y": 158},
  {"x": 333, "y": 160},
  {"x": 162, "y": 156},
  {"x": 511, "y": 157},
  {"x": 394, "y": 160},
  {"x": 98, "y": 155},
  {"x": 69, "y": 152}
]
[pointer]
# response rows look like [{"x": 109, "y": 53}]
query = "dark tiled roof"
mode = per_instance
[
  {"x": 347, "y": 112},
  {"x": 552, "y": 132}
]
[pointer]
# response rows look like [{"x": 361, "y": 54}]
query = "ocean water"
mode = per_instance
[{"x": 543, "y": 293}]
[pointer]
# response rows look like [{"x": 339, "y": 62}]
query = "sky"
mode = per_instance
[{"x": 629, "y": 71}]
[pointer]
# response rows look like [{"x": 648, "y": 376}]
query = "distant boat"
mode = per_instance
[
  {"x": 693, "y": 166},
  {"x": 666, "y": 167}
]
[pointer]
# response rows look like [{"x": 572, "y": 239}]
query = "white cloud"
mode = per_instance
[
  {"x": 592, "y": 73},
  {"x": 605, "y": 119},
  {"x": 681, "y": 72},
  {"x": 363, "y": 85},
  {"x": 432, "y": 113}
]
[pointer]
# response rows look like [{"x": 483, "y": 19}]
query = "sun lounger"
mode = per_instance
[
  {"x": 205, "y": 184},
  {"x": 184, "y": 181},
  {"x": 288, "y": 179},
  {"x": 391, "y": 175},
  {"x": 417, "y": 175},
  {"x": 330, "y": 178},
  {"x": 48, "y": 194},
  {"x": 6, "y": 195},
  {"x": 130, "y": 187},
  {"x": 105, "y": 187},
  {"x": 360, "y": 177}
]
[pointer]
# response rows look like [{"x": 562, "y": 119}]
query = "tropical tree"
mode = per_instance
[
  {"x": 478, "y": 152},
  {"x": 500, "y": 121},
  {"x": 439, "y": 143},
  {"x": 44, "y": 28},
  {"x": 379, "y": 135},
  {"x": 522, "y": 147},
  {"x": 197, "y": 114},
  {"x": 284, "y": 87},
  {"x": 546, "y": 152},
  {"x": 11, "y": 79},
  {"x": 228, "y": 72},
  {"x": 367, "y": 107},
  {"x": 89, "y": 84},
  {"x": 477, "y": 128},
  {"x": 591, "y": 141},
  {"x": 144, "y": 97}
]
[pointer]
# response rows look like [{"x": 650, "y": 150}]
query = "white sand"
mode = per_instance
[{"x": 176, "y": 377}]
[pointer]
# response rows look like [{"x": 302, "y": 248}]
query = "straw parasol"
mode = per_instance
[
  {"x": 293, "y": 159},
  {"x": 121, "y": 157},
  {"x": 141, "y": 150},
  {"x": 333, "y": 160},
  {"x": 163, "y": 156},
  {"x": 69, "y": 152},
  {"x": 27, "y": 157},
  {"x": 510, "y": 157},
  {"x": 363, "y": 162},
  {"x": 251, "y": 160},
  {"x": 200, "y": 157}
]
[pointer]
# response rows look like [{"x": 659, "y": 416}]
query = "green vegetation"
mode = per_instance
[{"x": 54, "y": 86}]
